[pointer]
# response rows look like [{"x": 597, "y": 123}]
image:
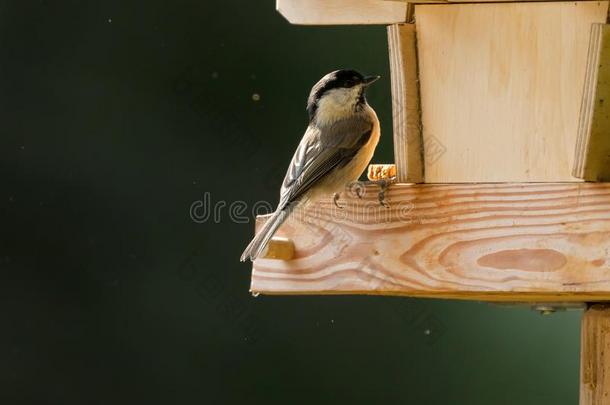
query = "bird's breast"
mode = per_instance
[{"x": 337, "y": 180}]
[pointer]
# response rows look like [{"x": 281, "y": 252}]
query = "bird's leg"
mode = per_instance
[
  {"x": 336, "y": 197},
  {"x": 357, "y": 188},
  {"x": 360, "y": 192},
  {"x": 383, "y": 186}
]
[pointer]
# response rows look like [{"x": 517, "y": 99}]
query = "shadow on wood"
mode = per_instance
[{"x": 592, "y": 157}]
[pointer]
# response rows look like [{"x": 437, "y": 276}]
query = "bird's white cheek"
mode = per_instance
[{"x": 336, "y": 105}]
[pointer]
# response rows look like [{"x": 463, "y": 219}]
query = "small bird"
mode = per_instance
[{"x": 337, "y": 147}]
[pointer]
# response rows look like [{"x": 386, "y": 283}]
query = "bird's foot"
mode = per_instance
[
  {"x": 383, "y": 184},
  {"x": 357, "y": 188}
]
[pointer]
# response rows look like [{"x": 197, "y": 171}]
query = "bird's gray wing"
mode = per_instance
[{"x": 321, "y": 150}]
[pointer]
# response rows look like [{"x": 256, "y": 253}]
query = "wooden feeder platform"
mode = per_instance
[{"x": 501, "y": 127}]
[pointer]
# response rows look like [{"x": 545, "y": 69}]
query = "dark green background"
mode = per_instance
[{"x": 115, "y": 116}]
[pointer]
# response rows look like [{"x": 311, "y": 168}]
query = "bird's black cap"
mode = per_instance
[{"x": 339, "y": 78}]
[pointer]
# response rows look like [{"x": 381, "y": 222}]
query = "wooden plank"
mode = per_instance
[
  {"x": 500, "y": 88},
  {"x": 595, "y": 356},
  {"x": 494, "y": 242},
  {"x": 408, "y": 145},
  {"x": 425, "y": 1},
  {"x": 472, "y": 1},
  {"x": 505, "y": 1},
  {"x": 337, "y": 12},
  {"x": 592, "y": 156}
]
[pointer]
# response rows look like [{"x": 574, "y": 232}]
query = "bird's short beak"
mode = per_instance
[{"x": 370, "y": 80}]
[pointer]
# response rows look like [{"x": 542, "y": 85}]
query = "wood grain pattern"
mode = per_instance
[
  {"x": 592, "y": 156},
  {"x": 500, "y": 88},
  {"x": 595, "y": 356},
  {"x": 408, "y": 145},
  {"x": 337, "y": 12},
  {"x": 515, "y": 242}
]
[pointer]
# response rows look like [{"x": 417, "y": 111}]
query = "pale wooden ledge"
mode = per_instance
[
  {"x": 504, "y": 242},
  {"x": 363, "y": 12},
  {"x": 342, "y": 12}
]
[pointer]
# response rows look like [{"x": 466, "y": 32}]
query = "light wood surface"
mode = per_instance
[
  {"x": 513, "y": 242},
  {"x": 408, "y": 146},
  {"x": 425, "y": 1},
  {"x": 356, "y": 12},
  {"x": 595, "y": 356},
  {"x": 501, "y": 87},
  {"x": 504, "y": 1},
  {"x": 470, "y": 1},
  {"x": 592, "y": 156},
  {"x": 330, "y": 12}
]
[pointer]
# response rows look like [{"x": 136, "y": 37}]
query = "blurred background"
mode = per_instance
[{"x": 115, "y": 117}]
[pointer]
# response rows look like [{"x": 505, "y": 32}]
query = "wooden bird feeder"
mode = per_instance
[{"x": 502, "y": 146}]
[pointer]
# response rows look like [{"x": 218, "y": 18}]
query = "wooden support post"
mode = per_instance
[
  {"x": 592, "y": 157},
  {"x": 408, "y": 144},
  {"x": 595, "y": 356},
  {"x": 490, "y": 242}
]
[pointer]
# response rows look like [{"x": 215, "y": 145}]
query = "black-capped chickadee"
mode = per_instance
[{"x": 337, "y": 146}]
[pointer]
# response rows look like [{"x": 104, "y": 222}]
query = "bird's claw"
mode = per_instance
[
  {"x": 336, "y": 197},
  {"x": 357, "y": 188},
  {"x": 383, "y": 184}
]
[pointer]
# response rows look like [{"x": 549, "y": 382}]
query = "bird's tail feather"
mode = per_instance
[{"x": 266, "y": 233}]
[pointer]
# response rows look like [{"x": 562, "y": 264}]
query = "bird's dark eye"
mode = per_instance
[{"x": 351, "y": 82}]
